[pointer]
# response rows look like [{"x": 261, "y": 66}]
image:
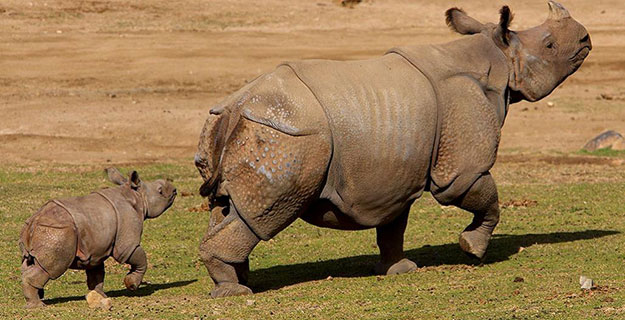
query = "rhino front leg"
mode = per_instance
[
  {"x": 225, "y": 250},
  {"x": 483, "y": 202},
  {"x": 138, "y": 266},
  {"x": 390, "y": 239},
  {"x": 95, "y": 279},
  {"x": 34, "y": 278},
  {"x": 96, "y": 298}
]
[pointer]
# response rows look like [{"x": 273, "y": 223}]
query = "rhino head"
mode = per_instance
[
  {"x": 540, "y": 58},
  {"x": 159, "y": 194}
]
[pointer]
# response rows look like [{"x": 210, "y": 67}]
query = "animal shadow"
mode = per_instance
[
  {"x": 144, "y": 290},
  {"x": 501, "y": 248}
]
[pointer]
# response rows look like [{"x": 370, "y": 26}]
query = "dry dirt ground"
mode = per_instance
[{"x": 91, "y": 82}]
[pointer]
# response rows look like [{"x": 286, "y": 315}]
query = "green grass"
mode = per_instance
[
  {"x": 604, "y": 152},
  {"x": 311, "y": 273}
]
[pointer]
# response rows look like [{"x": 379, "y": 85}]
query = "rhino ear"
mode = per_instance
[
  {"x": 115, "y": 176},
  {"x": 134, "y": 181},
  {"x": 460, "y": 22},
  {"x": 502, "y": 33}
]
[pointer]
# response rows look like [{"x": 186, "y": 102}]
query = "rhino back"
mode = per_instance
[{"x": 382, "y": 118}]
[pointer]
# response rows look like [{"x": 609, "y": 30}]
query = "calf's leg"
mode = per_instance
[
  {"x": 34, "y": 278},
  {"x": 138, "y": 266},
  {"x": 95, "y": 279},
  {"x": 96, "y": 298}
]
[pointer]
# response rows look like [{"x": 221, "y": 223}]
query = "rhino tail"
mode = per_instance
[
  {"x": 226, "y": 125},
  {"x": 24, "y": 241}
]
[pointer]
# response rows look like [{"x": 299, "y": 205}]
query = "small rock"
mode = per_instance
[
  {"x": 96, "y": 300},
  {"x": 521, "y": 249},
  {"x": 350, "y": 3},
  {"x": 607, "y": 139},
  {"x": 106, "y": 304},
  {"x": 586, "y": 283},
  {"x": 551, "y": 104},
  {"x": 329, "y": 278},
  {"x": 250, "y": 302},
  {"x": 519, "y": 279},
  {"x": 606, "y": 96}
]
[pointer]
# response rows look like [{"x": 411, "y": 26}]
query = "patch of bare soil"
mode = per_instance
[{"x": 118, "y": 81}]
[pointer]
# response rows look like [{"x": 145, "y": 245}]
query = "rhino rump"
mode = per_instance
[{"x": 50, "y": 237}]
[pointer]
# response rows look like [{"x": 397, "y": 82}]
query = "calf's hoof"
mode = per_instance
[
  {"x": 228, "y": 289},
  {"x": 402, "y": 266},
  {"x": 474, "y": 243},
  {"x": 97, "y": 300},
  {"x": 132, "y": 283},
  {"x": 35, "y": 304}
]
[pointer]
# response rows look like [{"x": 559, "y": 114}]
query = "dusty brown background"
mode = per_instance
[{"x": 132, "y": 81}]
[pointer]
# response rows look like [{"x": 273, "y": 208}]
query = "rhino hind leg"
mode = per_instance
[
  {"x": 225, "y": 250},
  {"x": 390, "y": 239},
  {"x": 34, "y": 278},
  {"x": 481, "y": 200}
]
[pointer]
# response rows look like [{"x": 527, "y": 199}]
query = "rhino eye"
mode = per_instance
[{"x": 550, "y": 45}]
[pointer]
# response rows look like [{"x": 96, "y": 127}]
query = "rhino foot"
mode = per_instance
[
  {"x": 474, "y": 243},
  {"x": 132, "y": 282},
  {"x": 402, "y": 266},
  {"x": 97, "y": 300},
  {"x": 35, "y": 304},
  {"x": 227, "y": 289}
]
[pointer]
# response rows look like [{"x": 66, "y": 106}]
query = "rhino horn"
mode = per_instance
[{"x": 557, "y": 11}]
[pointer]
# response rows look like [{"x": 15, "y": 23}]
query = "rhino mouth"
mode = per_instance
[{"x": 581, "y": 54}]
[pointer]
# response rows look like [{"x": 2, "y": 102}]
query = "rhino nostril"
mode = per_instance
[{"x": 584, "y": 39}]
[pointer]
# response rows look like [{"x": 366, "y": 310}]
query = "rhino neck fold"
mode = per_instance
[{"x": 424, "y": 69}]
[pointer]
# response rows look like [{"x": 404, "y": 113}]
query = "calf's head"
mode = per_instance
[
  {"x": 540, "y": 58},
  {"x": 159, "y": 194}
]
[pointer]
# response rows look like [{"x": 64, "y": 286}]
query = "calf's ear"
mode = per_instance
[
  {"x": 502, "y": 33},
  {"x": 459, "y": 21},
  {"x": 134, "y": 181},
  {"x": 115, "y": 176}
]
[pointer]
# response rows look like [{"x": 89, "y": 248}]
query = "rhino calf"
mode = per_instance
[{"x": 82, "y": 232}]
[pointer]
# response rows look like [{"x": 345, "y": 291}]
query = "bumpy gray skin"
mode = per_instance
[
  {"x": 82, "y": 232},
  {"x": 351, "y": 145}
]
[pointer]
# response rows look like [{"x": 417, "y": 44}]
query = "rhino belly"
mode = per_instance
[{"x": 382, "y": 118}]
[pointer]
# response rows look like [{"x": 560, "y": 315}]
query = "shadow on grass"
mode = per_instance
[
  {"x": 144, "y": 290},
  {"x": 501, "y": 248}
]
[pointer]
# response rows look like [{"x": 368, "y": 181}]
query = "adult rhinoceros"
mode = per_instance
[{"x": 352, "y": 144}]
